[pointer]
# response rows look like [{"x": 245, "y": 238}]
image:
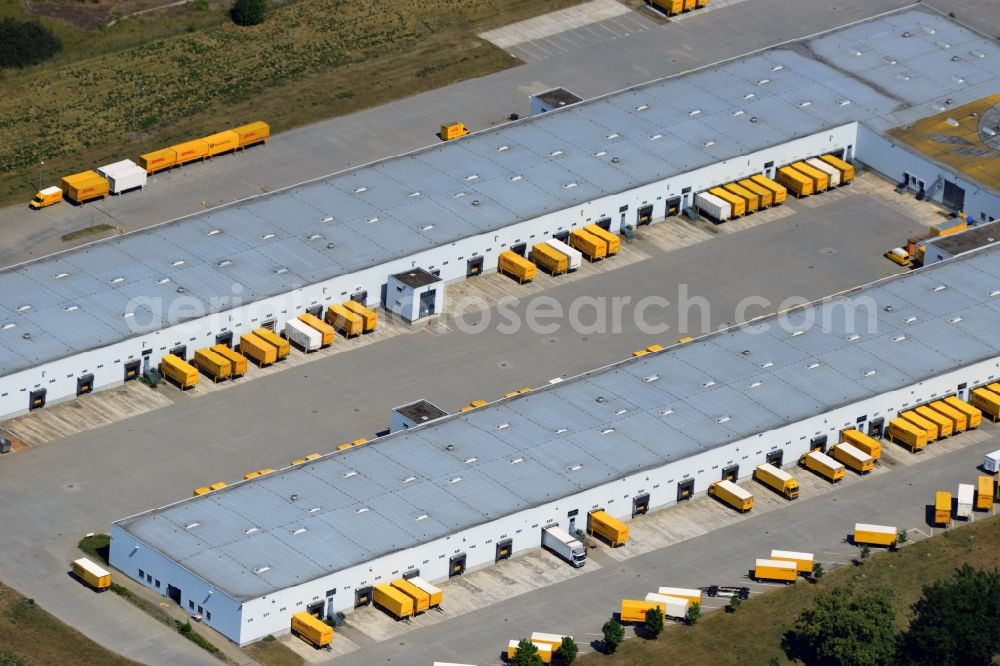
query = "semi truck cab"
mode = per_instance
[{"x": 46, "y": 197}]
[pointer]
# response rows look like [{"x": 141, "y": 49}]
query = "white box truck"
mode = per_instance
[
  {"x": 832, "y": 172},
  {"x": 575, "y": 256},
  {"x": 303, "y": 335},
  {"x": 966, "y": 495},
  {"x": 562, "y": 544},
  {"x": 123, "y": 176},
  {"x": 992, "y": 462},
  {"x": 712, "y": 206},
  {"x": 676, "y": 607}
]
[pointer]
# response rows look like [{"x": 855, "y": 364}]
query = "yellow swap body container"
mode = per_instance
[
  {"x": 987, "y": 402},
  {"x": 752, "y": 200},
  {"x": 369, "y": 319},
  {"x": 421, "y": 600},
  {"x": 238, "y": 361},
  {"x": 190, "y": 151},
  {"x": 945, "y": 426},
  {"x": 846, "y": 170},
  {"x": 84, "y": 186},
  {"x": 158, "y": 160},
  {"x": 222, "y": 142},
  {"x": 270, "y": 337},
  {"x": 803, "y": 561},
  {"x": 861, "y": 441},
  {"x": 393, "y": 601},
  {"x": 260, "y": 351},
  {"x": 544, "y": 651},
  {"x": 853, "y": 457},
  {"x": 179, "y": 371},
  {"x": 252, "y": 133},
  {"x": 923, "y": 424},
  {"x": 590, "y": 245},
  {"x": 318, "y": 324},
  {"x": 974, "y": 417},
  {"x": 634, "y": 610},
  {"x": 905, "y": 433},
  {"x": 823, "y": 465},
  {"x": 514, "y": 265},
  {"x": 874, "y": 535},
  {"x": 942, "y": 507},
  {"x": 777, "y": 480},
  {"x": 436, "y": 595},
  {"x": 821, "y": 181},
  {"x": 345, "y": 321},
  {"x": 766, "y": 196},
  {"x": 312, "y": 630},
  {"x": 985, "y": 493},
  {"x": 214, "y": 365},
  {"x": 779, "y": 191},
  {"x": 776, "y": 570},
  {"x": 613, "y": 241},
  {"x": 799, "y": 183},
  {"x": 737, "y": 205},
  {"x": 93, "y": 575},
  {"x": 614, "y": 531},
  {"x": 731, "y": 494},
  {"x": 549, "y": 258}
]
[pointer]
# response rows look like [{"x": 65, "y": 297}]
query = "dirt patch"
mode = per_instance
[{"x": 90, "y": 14}]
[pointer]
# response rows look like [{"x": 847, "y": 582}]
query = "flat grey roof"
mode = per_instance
[
  {"x": 970, "y": 239},
  {"x": 421, "y": 411},
  {"x": 558, "y": 97},
  {"x": 423, "y": 484},
  {"x": 885, "y": 72},
  {"x": 416, "y": 278}
]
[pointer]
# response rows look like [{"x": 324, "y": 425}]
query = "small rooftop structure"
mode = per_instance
[
  {"x": 552, "y": 99},
  {"x": 946, "y": 247},
  {"x": 414, "y": 414}
]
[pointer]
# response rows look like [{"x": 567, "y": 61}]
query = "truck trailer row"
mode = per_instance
[{"x": 740, "y": 198}]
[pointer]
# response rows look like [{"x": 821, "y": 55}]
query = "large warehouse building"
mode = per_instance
[
  {"x": 95, "y": 316},
  {"x": 465, "y": 490}
]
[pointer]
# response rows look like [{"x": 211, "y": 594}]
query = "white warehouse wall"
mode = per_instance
[
  {"x": 272, "y": 614},
  {"x": 106, "y": 363}
]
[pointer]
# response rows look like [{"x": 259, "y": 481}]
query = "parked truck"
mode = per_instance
[
  {"x": 799, "y": 183},
  {"x": 928, "y": 427},
  {"x": 549, "y": 259},
  {"x": 961, "y": 419},
  {"x": 216, "y": 366},
  {"x": 853, "y": 457},
  {"x": 713, "y": 207},
  {"x": 832, "y": 174},
  {"x": 991, "y": 462},
  {"x": 942, "y": 507},
  {"x": 606, "y": 526},
  {"x": 751, "y": 200},
  {"x": 178, "y": 371},
  {"x": 906, "y": 434},
  {"x": 92, "y": 574},
  {"x": 435, "y": 594},
  {"x": 451, "y": 131},
  {"x": 765, "y": 196},
  {"x": 781, "y": 571},
  {"x": 279, "y": 343},
  {"x": 123, "y": 176},
  {"x": 554, "y": 641},
  {"x": 260, "y": 351},
  {"x": 46, "y": 197},
  {"x": 974, "y": 417},
  {"x": 777, "y": 480},
  {"x": 985, "y": 493},
  {"x": 392, "y": 601},
  {"x": 822, "y": 464},
  {"x": 634, "y": 610},
  {"x": 326, "y": 331},
  {"x": 544, "y": 651},
  {"x": 780, "y": 191},
  {"x": 820, "y": 180},
  {"x": 312, "y": 630},
  {"x": 562, "y": 544},
  {"x": 592, "y": 247},
  {"x": 863, "y": 442},
  {"x": 987, "y": 402},
  {"x": 729, "y": 493},
  {"x": 613, "y": 241},
  {"x": 966, "y": 498},
  {"x": 866, "y": 534},
  {"x": 803, "y": 561},
  {"x": 737, "y": 205},
  {"x": 693, "y": 596},
  {"x": 345, "y": 321},
  {"x": 421, "y": 600},
  {"x": 514, "y": 265},
  {"x": 945, "y": 426},
  {"x": 369, "y": 319},
  {"x": 302, "y": 334},
  {"x": 846, "y": 169},
  {"x": 675, "y": 608},
  {"x": 84, "y": 186},
  {"x": 575, "y": 257}
]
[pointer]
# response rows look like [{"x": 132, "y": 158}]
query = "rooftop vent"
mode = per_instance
[
  {"x": 262, "y": 569},
  {"x": 666, "y": 412},
  {"x": 517, "y": 461},
  {"x": 952, "y": 122},
  {"x": 474, "y": 176},
  {"x": 805, "y": 104},
  {"x": 796, "y": 334},
  {"x": 749, "y": 96},
  {"x": 722, "y": 419},
  {"x": 694, "y": 112},
  {"x": 267, "y": 237},
  {"x": 455, "y": 480},
  {"x": 250, "y": 530},
  {"x": 359, "y": 190},
  {"x": 313, "y": 237},
  {"x": 650, "y": 379},
  {"x": 409, "y": 479},
  {"x": 469, "y": 461},
  {"x": 458, "y": 195},
  {"x": 813, "y": 365},
  {"x": 600, "y": 153},
  {"x": 852, "y": 337},
  {"x": 889, "y": 61},
  {"x": 619, "y": 412},
  {"x": 777, "y": 68},
  {"x": 995, "y": 292},
  {"x": 856, "y": 53},
  {"x": 709, "y": 384},
  {"x": 607, "y": 431},
  {"x": 128, "y": 315},
  {"x": 362, "y": 509},
  {"x": 767, "y": 364},
  {"x": 8, "y": 326},
  {"x": 214, "y": 232},
  {"x": 844, "y": 102},
  {"x": 224, "y": 263},
  {"x": 942, "y": 44},
  {"x": 899, "y": 338},
  {"x": 191, "y": 526},
  {"x": 72, "y": 308},
  {"x": 514, "y": 179},
  {"x": 348, "y": 475},
  {"x": 500, "y": 149},
  {"x": 754, "y": 385},
  {"x": 315, "y": 509},
  {"x": 656, "y": 137},
  {"x": 955, "y": 320},
  {"x": 299, "y": 531},
  {"x": 503, "y": 426},
  {"x": 560, "y": 431},
  {"x": 422, "y": 516},
  {"x": 763, "y": 82},
  {"x": 280, "y": 270},
  {"x": 738, "y": 112},
  {"x": 642, "y": 107},
  {"x": 371, "y": 220},
  {"x": 910, "y": 320},
  {"x": 117, "y": 280},
  {"x": 23, "y": 308},
  {"x": 163, "y": 280},
  {"x": 575, "y": 468},
  {"x": 569, "y": 186},
  {"x": 178, "y": 262},
  {"x": 940, "y": 287},
  {"x": 709, "y": 143},
  {"x": 870, "y": 373},
  {"x": 60, "y": 276},
  {"x": 328, "y": 218},
  {"x": 555, "y": 153},
  {"x": 427, "y": 227},
  {"x": 612, "y": 136}
]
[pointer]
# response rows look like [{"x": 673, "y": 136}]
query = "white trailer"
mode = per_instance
[
  {"x": 992, "y": 462},
  {"x": 676, "y": 607},
  {"x": 966, "y": 495},
  {"x": 575, "y": 256},
  {"x": 303, "y": 335},
  {"x": 123, "y": 176},
  {"x": 711, "y": 205},
  {"x": 831, "y": 171},
  {"x": 562, "y": 544}
]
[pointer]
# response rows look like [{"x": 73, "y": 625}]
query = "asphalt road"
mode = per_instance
[
  {"x": 587, "y": 66},
  {"x": 55, "y": 493}
]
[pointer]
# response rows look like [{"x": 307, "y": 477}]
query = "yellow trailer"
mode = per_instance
[
  {"x": 312, "y": 630},
  {"x": 84, "y": 186},
  {"x": 905, "y": 433},
  {"x": 752, "y": 200},
  {"x": 345, "y": 321},
  {"x": 942, "y": 507},
  {"x": 973, "y": 416},
  {"x": 987, "y": 402},
  {"x": 369, "y": 320},
  {"x": 846, "y": 169},
  {"x": 260, "y": 351},
  {"x": 958, "y": 418},
  {"x": 613, "y": 241},
  {"x": 270, "y": 337},
  {"x": 777, "y": 480},
  {"x": 451, "y": 131},
  {"x": 803, "y": 561},
  {"x": 775, "y": 570},
  {"x": 607, "y": 526},
  {"x": 588, "y": 244},
  {"x": 729, "y": 493},
  {"x": 204, "y": 490},
  {"x": 634, "y": 610},
  {"x": 237, "y": 361},
  {"x": 222, "y": 142},
  {"x": 393, "y": 601},
  {"x": 554, "y": 641},
  {"x": 690, "y": 4},
  {"x": 179, "y": 371},
  {"x": 473, "y": 405},
  {"x": 214, "y": 365},
  {"x": 822, "y": 464},
  {"x": 874, "y": 535},
  {"x": 190, "y": 151},
  {"x": 93, "y": 575},
  {"x": 800, "y": 184},
  {"x": 252, "y": 133},
  {"x": 779, "y": 191},
  {"x": 861, "y": 441},
  {"x": 436, "y": 594},
  {"x": 421, "y": 600},
  {"x": 737, "y": 205},
  {"x": 158, "y": 160},
  {"x": 544, "y": 651},
  {"x": 853, "y": 457},
  {"x": 669, "y": 7},
  {"x": 821, "y": 181},
  {"x": 985, "y": 493},
  {"x": 514, "y": 265},
  {"x": 929, "y": 427},
  {"x": 765, "y": 195},
  {"x": 549, "y": 258},
  {"x": 318, "y": 324},
  {"x": 945, "y": 425}
]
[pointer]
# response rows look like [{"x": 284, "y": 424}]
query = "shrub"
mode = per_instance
[
  {"x": 248, "y": 12},
  {"x": 614, "y": 634},
  {"x": 653, "y": 625},
  {"x": 24, "y": 43}
]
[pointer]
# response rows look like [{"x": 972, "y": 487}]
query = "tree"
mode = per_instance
[
  {"x": 818, "y": 571},
  {"x": 866, "y": 552},
  {"x": 902, "y": 537},
  {"x": 527, "y": 654},
  {"x": 248, "y": 12},
  {"x": 614, "y": 634},
  {"x": 653, "y": 625},
  {"x": 568, "y": 650},
  {"x": 693, "y": 613},
  {"x": 735, "y": 602},
  {"x": 844, "y": 629},
  {"x": 24, "y": 43},
  {"x": 955, "y": 621}
]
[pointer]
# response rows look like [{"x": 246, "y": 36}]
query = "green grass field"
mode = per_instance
[
  {"x": 753, "y": 634},
  {"x": 152, "y": 80},
  {"x": 270, "y": 652}
]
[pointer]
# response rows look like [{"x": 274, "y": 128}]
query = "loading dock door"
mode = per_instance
[
  {"x": 225, "y": 338},
  {"x": 604, "y": 223},
  {"x": 673, "y": 206},
  {"x": 315, "y": 311},
  {"x": 362, "y": 597},
  {"x": 174, "y": 593},
  {"x": 412, "y": 573},
  {"x": 685, "y": 489},
  {"x": 875, "y": 427},
  {"x": 84, "y": 384},
  {"x": 644, "y": 215},
  {"x": 360, "y": 297},
  {"x": 132, "y": 369},
  {"x": 520, "y": 248},
  {"x": 474, "y": 266},
  {"x": 731, "y": 473},
  {"x": 427, "y": 300},
  {"x": 316, "y": 609},
  {"x": 775, "y": 458},
  {"x": 504, "y": 549},
  {"x": 456, "y": 565},
  {"x": 640, "y": 504},
  {"x": 953, "y": 196},
  {"x": 36, "y": 399},
  {"x": 180, "y": 351},
  {"x": 818, "y": 443},
  {"x": 561, "y": 236}
]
